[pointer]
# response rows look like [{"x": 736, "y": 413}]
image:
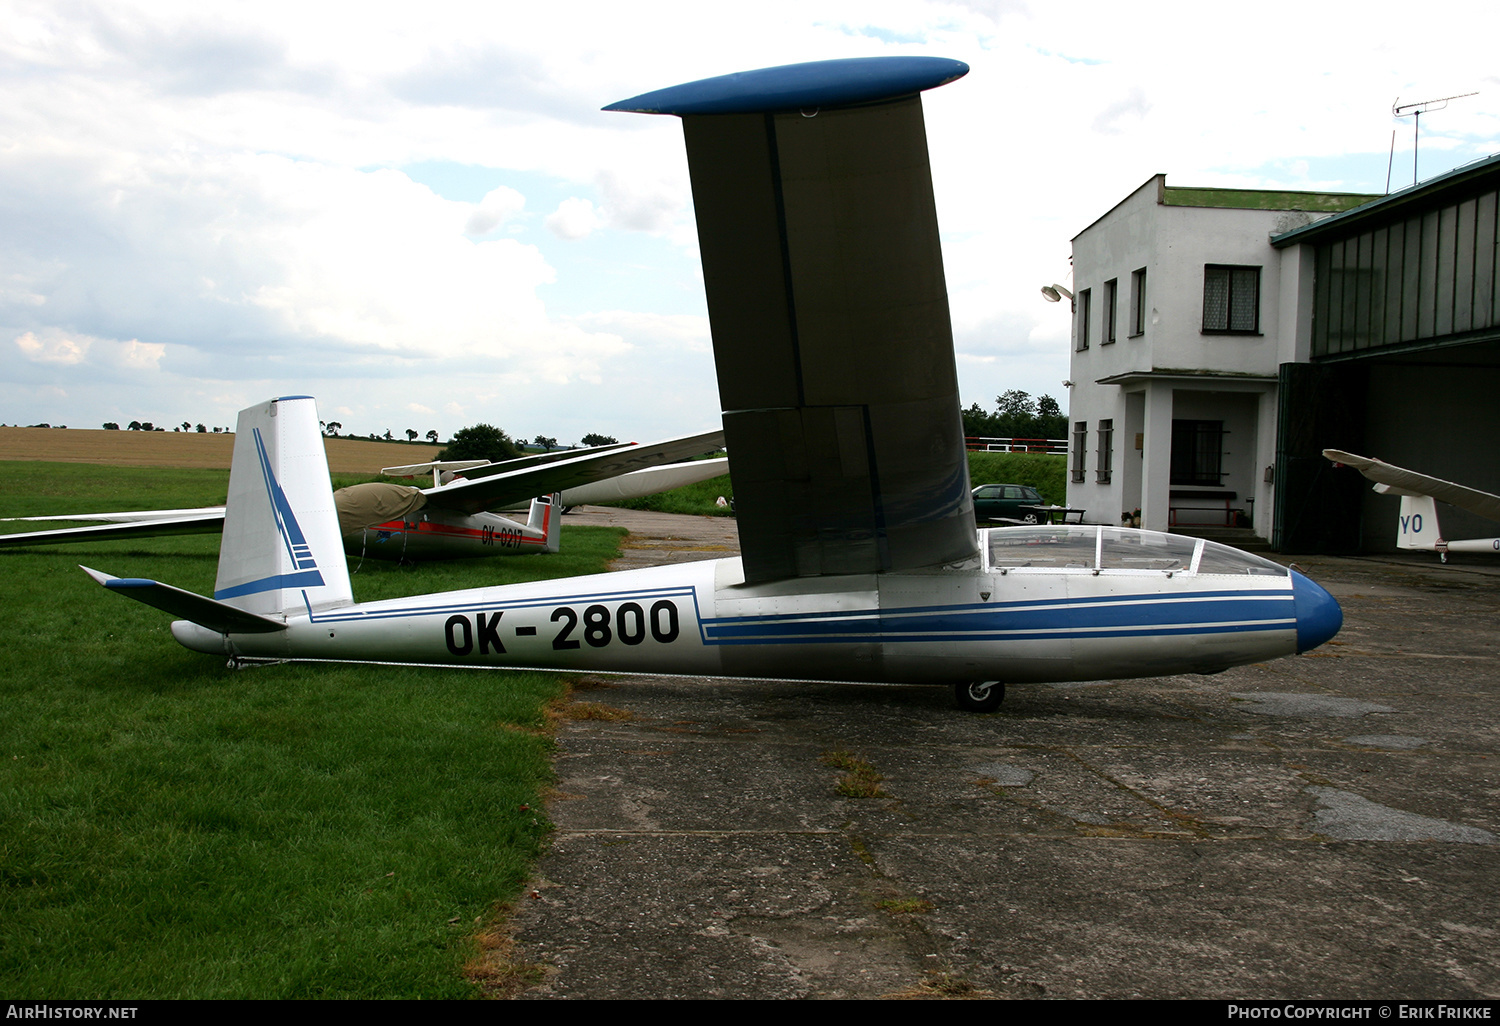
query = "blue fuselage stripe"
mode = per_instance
[
  {"x": 1274, "y": 612},
  {"x": 994, "y": 636}
]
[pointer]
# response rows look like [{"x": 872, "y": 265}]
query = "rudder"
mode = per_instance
[
  {"x": 281, "y": 551},
  {"x": 546, "y": 516},
  {"x": 1418, "y": 527}
]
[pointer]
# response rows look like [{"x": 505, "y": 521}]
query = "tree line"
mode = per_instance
[
  {"x": 487, "y": 442},
  {"x": 479, "y": 441},
  {"x": 146, "y": 425},
  {"x": 1017, "y": 415}
]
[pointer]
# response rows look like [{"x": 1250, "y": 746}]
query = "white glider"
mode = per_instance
[
  {"x": 450, "y": 520},
  {"x": 1417, "y": 524},
  {"x": 860, "y": 559}
]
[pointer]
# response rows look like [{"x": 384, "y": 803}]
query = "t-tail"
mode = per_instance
[
  {"x": 546, "y": 517},
  {"x": 281, "y": 552}
]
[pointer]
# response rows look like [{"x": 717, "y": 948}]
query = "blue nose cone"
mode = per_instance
[{"x": 1318, "y": 614}]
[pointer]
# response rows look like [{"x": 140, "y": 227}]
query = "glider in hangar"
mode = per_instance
[
  {"x": 860, "y": 556},
  {"x": 450, "y": 520},
  {"x": 1417, "y": 525}
]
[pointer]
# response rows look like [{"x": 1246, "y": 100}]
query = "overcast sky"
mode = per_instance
[{"x": 418, "y": 213}]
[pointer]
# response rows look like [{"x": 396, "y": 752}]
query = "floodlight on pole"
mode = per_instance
[{"x": 1055, "y": 293}]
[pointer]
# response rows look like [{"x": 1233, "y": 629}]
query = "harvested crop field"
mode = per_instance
[{"x": 189, "y": 449}]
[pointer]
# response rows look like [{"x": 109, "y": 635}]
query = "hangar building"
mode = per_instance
[{"x": 1223, "y": 337}]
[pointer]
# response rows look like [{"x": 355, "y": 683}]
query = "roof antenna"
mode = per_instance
[
  {"x": 1390, "y": 161},
  {"x": 1416, "y": 110}
]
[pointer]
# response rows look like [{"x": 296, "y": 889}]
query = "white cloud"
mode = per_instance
[
  {"x": 56, "y": 349},
  {"x": 643, "y": 204},
  {"x": 208, "y": 182},
  {"x": 498, "y": 206},
  {"x": 70, "y": 349},
  {"x": 136, "y": 354},
  {"x": 574, "y": 218}
]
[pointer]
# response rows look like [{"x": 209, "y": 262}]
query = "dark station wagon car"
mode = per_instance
[{"x": 1007, "y": 502}]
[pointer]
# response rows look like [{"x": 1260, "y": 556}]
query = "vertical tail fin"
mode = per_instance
[
  {"x": 281, "y": 550},
  {"x": 546, "y": 516},
  {"x": 1418, "y": 526}
]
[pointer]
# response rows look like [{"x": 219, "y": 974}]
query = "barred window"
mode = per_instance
[
  {"x": 1198, "y": 452},
  {"x": 1080, "y": 449},
  {"x": 1231, "y": 300}
]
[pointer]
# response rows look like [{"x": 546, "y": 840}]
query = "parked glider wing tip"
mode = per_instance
[
  {"x": 1400, "y": 481},
  {"x": 816, "y": 85}
]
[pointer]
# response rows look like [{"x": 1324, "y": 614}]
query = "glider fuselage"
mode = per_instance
[
  {"x": 1002, "y": 622},
  {"x": 433, "y": 534}
]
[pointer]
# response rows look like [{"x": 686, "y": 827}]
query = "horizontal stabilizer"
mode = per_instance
[
  {"x": 439, "y": 469},
  {"x": 487, "y": 468},
  {"x": 210, "y": 522},
  {"x": 641, "y": 483},
  {"x": 514, "y": 486},
  {"x": 1409, "y": 482},
  {"x": 413, "y": 469},
  {"x": 205, "y": 612}
]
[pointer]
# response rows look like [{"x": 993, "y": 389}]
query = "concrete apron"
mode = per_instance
[{"x": 1323, "y": 826}]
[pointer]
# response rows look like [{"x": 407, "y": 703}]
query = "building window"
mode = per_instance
[
  {"x": 1080, "y": 449},
  {"x": 1138, "y": 303},
  {"x": 1106, "y": 451},
  {"x": 1198, "y": 452},
  {"x": 1111, "y": 294},
  {"x": 1085, "y": 309},
  {"x": 1231, "y": 300}
]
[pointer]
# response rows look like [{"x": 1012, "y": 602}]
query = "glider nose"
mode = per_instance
[{"x": 1318, "y": 614}]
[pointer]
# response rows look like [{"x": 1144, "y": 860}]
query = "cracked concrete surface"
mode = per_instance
[{"x": 1317, "y": 827}]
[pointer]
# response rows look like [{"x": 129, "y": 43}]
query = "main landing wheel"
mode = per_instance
[{"x": 980, "y": 696}]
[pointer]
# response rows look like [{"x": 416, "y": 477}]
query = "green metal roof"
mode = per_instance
[{"x": 1263, "y": 199}]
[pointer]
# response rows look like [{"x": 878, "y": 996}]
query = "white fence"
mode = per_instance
[{"x": 1052, "y": 446}]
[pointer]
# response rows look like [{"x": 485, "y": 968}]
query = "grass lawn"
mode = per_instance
[{"x": 172, "y": 828}]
